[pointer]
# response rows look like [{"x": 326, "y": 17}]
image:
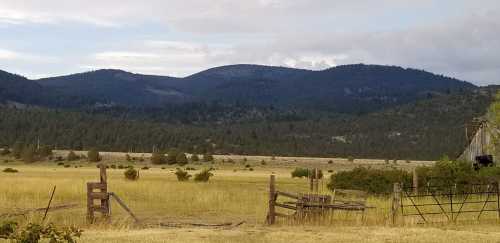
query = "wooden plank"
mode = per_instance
[
  {"x": 96, "y": 185},
  {"x": 99, "y": 195},
  {"x": 286, "y": 194},
  {"x": 285, "y": 206},
  {"x": 271, "y": 215},
  {"x": 124, "y": 206}
]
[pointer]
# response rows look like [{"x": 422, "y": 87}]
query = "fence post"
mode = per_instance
[
  {"x": 396, "y": 199},
  {"x": 415, "y": 182},
  {"x": 498, "y": 198},
  {"x": 271, "y": 215}
]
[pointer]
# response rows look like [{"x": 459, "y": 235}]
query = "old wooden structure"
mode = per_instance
[
  {"x": 304, "y": 205},
  {"x": 99, "y": 191},
  {"x": 480, "y": 135}
]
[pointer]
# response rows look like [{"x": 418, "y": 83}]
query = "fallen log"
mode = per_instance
[{"x": 36, "y": 210}]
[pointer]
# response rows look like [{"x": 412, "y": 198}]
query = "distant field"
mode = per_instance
[{"x": 234, "y": 194}]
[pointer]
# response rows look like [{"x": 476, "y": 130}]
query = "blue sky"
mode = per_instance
[{"x": 180, "y": 37}]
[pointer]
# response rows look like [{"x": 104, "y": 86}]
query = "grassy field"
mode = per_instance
[{"x": 234, "y": 194}]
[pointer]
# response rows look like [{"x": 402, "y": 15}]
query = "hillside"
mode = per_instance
[
  {"x": 350, "y": 89},
  {"x": 423, "y": 130}
]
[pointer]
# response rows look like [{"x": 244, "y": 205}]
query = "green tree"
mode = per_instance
[
  {"x": 181, "y": 159},
  {"x": 172, "y": 156},
  {"x": 28, "y": 154},
  {"x": 17, "y": 149},
  {"x": 158, "y": 158},
  {"x": 44, "y": 151},
  {"x": 93, "y": 155}
]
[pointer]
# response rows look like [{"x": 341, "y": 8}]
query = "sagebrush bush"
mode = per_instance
[
  {"x": 375, "y": 181},
  {"x": 203, "y": 176},
  {"x": 10, "y": 170},
  {"x": 72, "y": 156},
  {"x": 34, "y": 233},
  {"x": 131, "y": 174},
  {"x": 304, "y": 172},
  {"x": 182, "y": 175}
]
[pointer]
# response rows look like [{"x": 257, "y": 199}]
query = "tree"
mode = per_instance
[
  {"x": 208, "y": 157},
  {"x": 158, "y": 158},
  {"x": 28, "y": 154},
  {"x": 181, "y": 159},
  {"x": 72, "y": 156},
  {"x": 172, "y": 156},
  {"x": 17, "y": 149},
  {"x": 93, "y": 155},
  {"x": 44, "y": 151}
]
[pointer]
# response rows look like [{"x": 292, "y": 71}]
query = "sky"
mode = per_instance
[{"x": 457, "y": 38}]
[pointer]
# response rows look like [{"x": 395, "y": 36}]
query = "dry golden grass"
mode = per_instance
[{"x": 232, "y": 195}]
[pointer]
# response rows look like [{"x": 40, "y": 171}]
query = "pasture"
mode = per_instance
[{"x": 169, "y": 209}]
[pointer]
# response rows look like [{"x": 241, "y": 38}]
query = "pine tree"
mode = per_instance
[
  {"x": 93, "y": 155},
  {"x": 158, "y": 158},
  {"x": 172, "y": 156},
  {"x": 28, "y": 154}
]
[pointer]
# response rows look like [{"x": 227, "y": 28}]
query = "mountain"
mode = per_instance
[
  {"x": 17, "y": 90},
  {"x": 351, "y": 88},
  {"x": 119, "y": 87}
]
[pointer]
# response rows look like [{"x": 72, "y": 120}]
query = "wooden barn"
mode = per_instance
[{"x": 480, "y": 135}]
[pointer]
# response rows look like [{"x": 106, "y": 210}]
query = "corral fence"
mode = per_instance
[
  {"x": 302, "y": 206},
  {"x": 446, "y": 202}
]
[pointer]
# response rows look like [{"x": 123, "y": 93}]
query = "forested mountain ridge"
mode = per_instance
[{"x": 350, "y": 89}]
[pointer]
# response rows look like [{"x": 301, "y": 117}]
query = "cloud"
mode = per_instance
[{"x": 453, "y": 37}]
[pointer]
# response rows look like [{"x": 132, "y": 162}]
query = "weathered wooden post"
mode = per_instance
[
  {"x": 396, "y": 201},
  {"x": 316, "y": 180},
  {"x": 415, "y": 182},
  {"x": 271, "y": 215},
  {"x": 101, "y": 195},
  {"x": 498, "y": 198}
]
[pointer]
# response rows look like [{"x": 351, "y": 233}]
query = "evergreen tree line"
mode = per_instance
[{"x": 424, "y": 130}]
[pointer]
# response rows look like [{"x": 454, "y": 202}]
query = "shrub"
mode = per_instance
[
  {"x": 248, "y": 166},
  {"x": 367, "y": 179},
  {"x": 350, "y": 159},
  {"x": 330, "y": 171},
  {"x": 172, "y": 156},
  {"x": 67, "y": 166},
  {"x": 17, "y": 149},
  {"x": 304, "y": 172},
  {"x": 44, "y": 151},
  {"x": 34, "y": 233},
  {"x": 203, "y": 176},
  {"x": 60, "y": 164},
  {"x": 113, "y": 166},
  {"x": 182, "y": 175},
  {"x": 28, "y": 155},
  {"x": 121, "y": 167},
  {"x": 145, "y": 168},
  {"x": 131, "y": 174},
  {"x": 250, "y": 169},
  {"x": 263, "y": 162},
  {"x": 195, "y": 158},
  {"x": 72, "y": 156},
  {"x": 10, "y": 170},
  {"x": 128, "y": 158},
  {"x": 330, "y": 161},
  {"x": 93, "y": 155},
  {"x": 181, "y": 159},
  {"x": 190, "y": 168},
  {"x": 158, "y": 158}
]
